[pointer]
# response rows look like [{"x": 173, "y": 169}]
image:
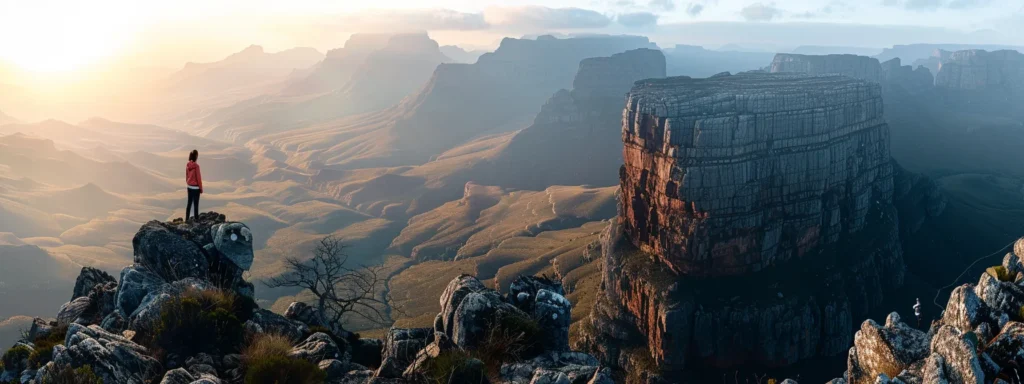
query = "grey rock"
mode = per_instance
[
  {"x": 965, "y": 310},
  {"x": 70, "y": 311},
  {"x": 549, "y": 377},
  {"x": 1007, "y": 348},
  {"x": 264, "y": 321},
  {"x": 136, "y": 283},
  {"x": 401, "y": 347},
  {"x": 234, "y": 242},
  {"x": 553, "y": 313},
  {"x": 367, "y": 352},
  {"x": 318, "y": 347},
  {"x": 1001, "y": 296},
  {"x": 476, "y": 314},
  {"x": 959, "y": 355},
  {"x": 89, "y": 278},
  {"x": 306, "y": 314},
  {"x": 177, "y": 376},
  {"x": 452, "y": 297},
  {"x": 859, "y": 67},
  {"x": 168, "y": 254},
  {"x": 40, "y": 328},
  {"x": 886, "y": 350},
  {"x": 146, "y": 316},
  {"x": 335, "y": 369},
  {"x": 112, "y": 357}
]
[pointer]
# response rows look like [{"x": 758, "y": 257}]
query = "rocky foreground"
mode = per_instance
[
  {"x": 979, "y": 339},
  {"x": 183, "y": 313}
]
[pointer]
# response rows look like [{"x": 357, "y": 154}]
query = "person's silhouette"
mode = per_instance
[{"x": 194, "y": 179}]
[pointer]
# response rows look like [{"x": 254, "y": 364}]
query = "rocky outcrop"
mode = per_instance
[
  {"x": 858, "y": 67},
  {"x": 978, "y": 69},
  {"x": 906, "y": 77},
  {"x": 960, "y": 347},
  {"x": 733, "y": 174},
  {"x": 476, "y": 318},
  {"x": 734, "y": 189}
]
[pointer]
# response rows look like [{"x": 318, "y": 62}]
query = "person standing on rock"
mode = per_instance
[{"x": 194, "y": 179}]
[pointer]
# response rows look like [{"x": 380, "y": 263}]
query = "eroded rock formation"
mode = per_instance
[
  {"x": 979, "y": 338},
  {"x": 735, "y": 191},
  {"x": 858, "y": 67},
  {"x": 978, "y": 69}
]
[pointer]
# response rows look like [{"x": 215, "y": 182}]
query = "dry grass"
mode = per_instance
[{"x": 266, "y": 345}]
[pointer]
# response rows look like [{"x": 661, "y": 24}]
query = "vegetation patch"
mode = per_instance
[
  {"x": 64, "y": 374},
  {"x": 44, "y": 347},
  {"x": 200, "y": 321},
  {"x": 267, "y": 362},
  {"x": 1000, "y": 273},
  {"x": 452, "y": 366},
  {"x": 13, "y": 357}
]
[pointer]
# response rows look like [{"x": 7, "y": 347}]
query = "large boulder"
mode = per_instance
[
  {"x": 400, "y": 349},
  {"x": 965, "y": 310},
  {"x": 318, "y": 347},
  {"x": 886, "y": 350},
  {"x": 476, "y": 315},
  {"x": 136, "y": 283},
  {"x": 114, "y": 358},
  {"x": 71, "y": 310},
  {"x": 264, "y": 321},
  {"x": 234, "y": 242},
  {"x": 306, "y": 314},
  {"x": 147, "y": 315},
  {"x": 1002, "y": 296},
  {"x": 168, "y": 254},
  {"x": 543, "y": 300},
  {"x": 452, "y": 297},
  {"x": 89, "y": 278},
  {"x": 959, "y": 352},
  {"x": 523, "y": 291},
  {"x": 1007, "y": 348}
]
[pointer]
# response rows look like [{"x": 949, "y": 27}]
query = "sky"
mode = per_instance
[{"x": 63, "y": 35}]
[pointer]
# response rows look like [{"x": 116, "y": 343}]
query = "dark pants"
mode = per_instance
[{"x": 193, "y": 203}]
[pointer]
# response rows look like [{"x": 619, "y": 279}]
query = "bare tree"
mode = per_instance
[{"x": 340, "y": 290}]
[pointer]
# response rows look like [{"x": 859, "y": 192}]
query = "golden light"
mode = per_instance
[{"x": 49, "y": 36}]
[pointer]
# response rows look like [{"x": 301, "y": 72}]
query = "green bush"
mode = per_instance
[
  {"x": 44, "y": 347},
  {"x": 199, "y": 321},
  {"x": 283, "y": 370},
  {"x": 1000, "y": 273},
  {"x": 64, "y": 374},
  {"x": 13, "y": 357}
]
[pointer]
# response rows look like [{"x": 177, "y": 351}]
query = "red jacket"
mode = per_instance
[{"x": 192, "y": 175}]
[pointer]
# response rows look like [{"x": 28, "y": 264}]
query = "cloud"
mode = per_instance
[
  {"x": 694, "y": 9},
  {"x": 412, "y": 20},
  {"x": 538, "y": 17},
  {"x": 663, "y": 5},
  {"x": 637, "y": 20},
  {"x": 760, "y": 12}
]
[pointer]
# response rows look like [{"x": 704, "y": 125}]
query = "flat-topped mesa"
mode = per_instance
[
  {"x": 859, "y": 67},
  {"x": 978, "y": 70},
  {"x": 613, "y": 76},
  {"x": 732, "y": 174}
]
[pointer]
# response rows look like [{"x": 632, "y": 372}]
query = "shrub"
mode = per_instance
[
  {"x": 64, "y": 374},
  {"x": 451, "y": 366},
  {"x": 44, "y": 347},
  {"x": 267, "y": 345},
  {"x": 13, "y": 357},
  {"x": 198, "y": 321},
  {"x": 512, "y": 337},
  {"x": 283, "y": 370},
  {"x": 1000, "y": 273}
]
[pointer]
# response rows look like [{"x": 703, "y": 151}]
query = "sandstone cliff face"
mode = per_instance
[
  {"x": 735, "y": 191},
  {"x": 734, "y": 174},
  {"x": 978, "y": 69},
  {"x": 575, "y": 139},
  {"x": 858, "y": 67}
]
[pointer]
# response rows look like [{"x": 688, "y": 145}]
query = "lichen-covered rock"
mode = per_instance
[
  {"x": 886, "y": 350},
  {"x": 177, "y": 376},
  {"x": 1001, "y": 296},
  {"x": 335, "y": 369},
  {"x": 452, "y": 297},
  {"x": 234, "y": 242},
  {"x": 400, "y": 349},
  {"x": 72, "y": 309},
  {"x": 961, "y": 363},
  {"x": 89, "y": 278},
  {"x": 965, "y": 310},
  {"x": 523, "y": 291},
  {"x": 553, "y": 314},
  {"x": 147, "y": 315},
  {"x": 318, "y": 347},
  {"x": 264, "y": 321},
  {"x": 136, "y": 283},
  {"x": 112, "y": 357},
  {"x": 167, "y": 254},
  {"x": 1007, "y": 348},
  {"x": 476, "y": 315},
  {"x": 306, "y": 314}
]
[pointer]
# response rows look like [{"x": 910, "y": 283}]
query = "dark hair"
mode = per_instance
[{"x": 192, "y": 156}]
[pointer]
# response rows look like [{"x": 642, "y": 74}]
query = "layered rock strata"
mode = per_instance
[
  {"x": 858, "y": 67},
  {"x": 978, "y": 69},
  {"x": 756, "y": 222},
  {"x": 573, "y": 138}
]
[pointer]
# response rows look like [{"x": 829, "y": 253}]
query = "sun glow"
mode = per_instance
[{"x": 53, "y": 36}]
